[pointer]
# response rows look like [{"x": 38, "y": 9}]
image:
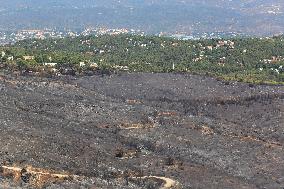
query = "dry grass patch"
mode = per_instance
[
  {"x": 205, "y": 130},
  {"x": 167, "y": 114},
  {"x": 132, "y": 101},
  {"x": 136, "y": 126},
  {"x": 126, "y": 153}
]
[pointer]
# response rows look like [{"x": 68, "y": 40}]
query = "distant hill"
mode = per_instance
[
  {"x": 254, "y": 60},
  {"x": 257, "y": 17}
]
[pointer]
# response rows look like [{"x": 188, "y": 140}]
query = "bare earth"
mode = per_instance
[{"x": 140, "y": 130}]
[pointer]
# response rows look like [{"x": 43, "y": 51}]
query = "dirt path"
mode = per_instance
[
  {"x": 18, "y": 171},
  {"x": 169, "y": 183},
  {"x": 35, "y": 172}
]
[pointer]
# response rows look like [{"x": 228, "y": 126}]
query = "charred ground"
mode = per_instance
[{"x": 141, "y": 131}]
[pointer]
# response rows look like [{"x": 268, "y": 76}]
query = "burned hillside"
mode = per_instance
[{"x": 140, "y": 130}]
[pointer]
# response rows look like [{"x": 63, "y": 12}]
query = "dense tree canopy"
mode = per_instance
[{"x": 257, "y": 60}]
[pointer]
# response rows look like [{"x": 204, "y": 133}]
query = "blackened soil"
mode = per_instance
[{"x": 111, "y": 130}]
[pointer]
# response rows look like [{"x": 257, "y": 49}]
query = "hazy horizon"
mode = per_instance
[{"x": 262, "y": 17}]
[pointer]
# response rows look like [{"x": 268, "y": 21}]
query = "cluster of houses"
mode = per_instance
[
  {"x": 227, "y": 43},
  {"x": 9, "y": 57},
  {"x": 222, "y": 43},
  {"x": 12, "y": 37},
  {"x": 273, "y": 60},
  {"x": 53, "y": 66},
  {"x": 276, "y": 70},
  {"x": 231, "y": 44}
]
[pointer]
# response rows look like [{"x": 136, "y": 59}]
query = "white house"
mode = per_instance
[
  {"x": 3, "y": 54},
  {"x": 53, "y": 64},
  {"x": 10, "y": 58},
  {"x": 82, "y": 64},
  {"x": 93, "y": 65}
]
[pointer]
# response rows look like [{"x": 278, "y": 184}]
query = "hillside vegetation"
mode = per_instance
[{"x": 254, "y": 60}]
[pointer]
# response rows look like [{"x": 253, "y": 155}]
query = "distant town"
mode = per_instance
[{"x": 11, "y": 37}]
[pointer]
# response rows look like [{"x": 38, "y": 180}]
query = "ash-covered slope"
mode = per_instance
[{"x": 142, "y": 131}]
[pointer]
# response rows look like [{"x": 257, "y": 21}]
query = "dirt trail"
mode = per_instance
[
  {"x": 37, "y": 172},
  {"x": 169, "y": 183}
]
